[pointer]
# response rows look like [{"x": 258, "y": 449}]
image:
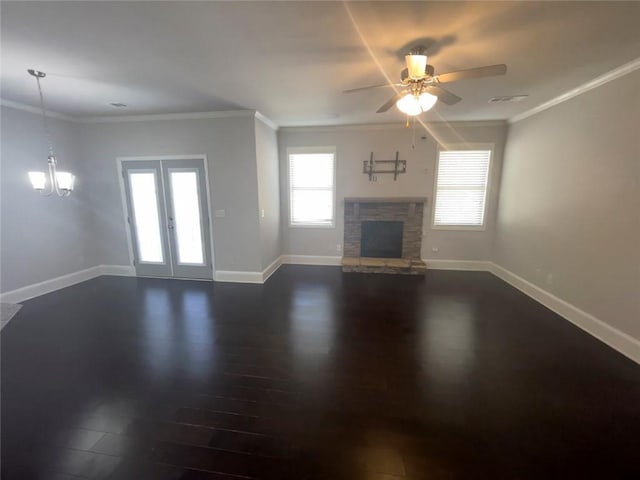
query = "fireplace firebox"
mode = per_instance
[{"x": 381, "y": 239}]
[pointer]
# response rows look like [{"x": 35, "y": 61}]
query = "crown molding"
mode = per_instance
[
  {"x": 144, "y": 118},
  {"x": 244, "y": 113},
  {"x": 267, "y": 121},
  {"x": 168, "y": 116},
  {"x": 345, "y": 127},
  {"x": 467, "y": 124},
  {"x": 596, "y": 82},
  {"x": 36, "y": 110},
  {"x": 387, "y": 126}
]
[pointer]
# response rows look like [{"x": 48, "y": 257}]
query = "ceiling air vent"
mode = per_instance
[
  {"x": 118, "y": 104},
  {"x": 508, "y": 99}
]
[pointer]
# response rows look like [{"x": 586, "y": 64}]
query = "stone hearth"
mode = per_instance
[{"x": 408, "y": 210}]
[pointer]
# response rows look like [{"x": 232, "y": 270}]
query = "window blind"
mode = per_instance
[
  {"x": 461, "y": 188},
  {"x": 311, "y": 184}
]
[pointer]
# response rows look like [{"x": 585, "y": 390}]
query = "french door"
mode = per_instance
[{"x": 168, "y": 217}]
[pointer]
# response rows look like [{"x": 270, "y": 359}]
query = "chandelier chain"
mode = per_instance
[{"x": 45, "y": 124}]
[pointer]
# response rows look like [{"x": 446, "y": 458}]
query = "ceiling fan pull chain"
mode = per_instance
[{"x": 413, "y": 141}]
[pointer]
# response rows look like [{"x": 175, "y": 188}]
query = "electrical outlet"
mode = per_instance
[
  {"x": 262, "y": 212},
  {"x": 550, "y": 279},
  {"x": 435, "y": 249},
  {"x": 339, "y": 248},
  {"x": 220, "y": 213}
]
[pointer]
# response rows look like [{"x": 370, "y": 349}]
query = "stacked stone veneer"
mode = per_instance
[{"x": 409, "y": 211}]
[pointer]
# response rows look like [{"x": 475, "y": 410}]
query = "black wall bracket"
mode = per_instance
[{"x": 370, "y": 167}]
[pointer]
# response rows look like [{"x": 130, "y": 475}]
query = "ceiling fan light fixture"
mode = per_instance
[
  {"x": 420, "y": 87},
  {"x": 416, "y": 65}
]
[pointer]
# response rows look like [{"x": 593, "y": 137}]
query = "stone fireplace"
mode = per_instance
[{"x": 383, "y": 235}]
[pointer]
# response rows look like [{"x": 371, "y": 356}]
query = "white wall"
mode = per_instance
[
  {"x": 268, "y": 192},
  {"x": 229, "y": 144},
  {"x": 41, "y": 237},
  {"x": 570, "y": 202},
  {"x": 354, "y": 145}
]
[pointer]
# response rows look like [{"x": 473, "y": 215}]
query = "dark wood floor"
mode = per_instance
[{"x": 315, "y": 375}]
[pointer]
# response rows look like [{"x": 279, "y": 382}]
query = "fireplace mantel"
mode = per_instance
[{"x": 385, "y": 200}]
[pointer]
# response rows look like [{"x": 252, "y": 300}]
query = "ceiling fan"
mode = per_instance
[{"x": 420, "y": 89}]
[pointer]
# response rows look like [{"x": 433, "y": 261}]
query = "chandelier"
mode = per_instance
[{"x": 60, "y": 182}]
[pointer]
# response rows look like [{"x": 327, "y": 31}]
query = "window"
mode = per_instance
[
  {"x": 461, "y": 189},
  {"x": 312, "y": 187}
]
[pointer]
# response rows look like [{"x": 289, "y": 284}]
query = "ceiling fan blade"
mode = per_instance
[
  {"x": 445, "y": 96},
  {"x": 489, "y": 71},
  {"x": 390, "y": 103},
  {"x": 372, "y": 86}
]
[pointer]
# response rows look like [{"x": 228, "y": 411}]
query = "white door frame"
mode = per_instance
[{"x": 125, "y": 209}]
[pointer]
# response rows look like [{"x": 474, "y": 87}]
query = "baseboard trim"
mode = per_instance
[
  {"x": 616, "y": 339},
  {"x": 467, "y": 265},
  {"x": 311, "y": 260},
  {"x": 118, "y": 270},
  {"x": 232, "y": 276},
  {"x": 47, "y": 286},
  {"x": 261, "y": 277},
  {"x": 271, "y": 269}
]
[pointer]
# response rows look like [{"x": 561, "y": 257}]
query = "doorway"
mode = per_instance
[{"x": 168, "y": 217}]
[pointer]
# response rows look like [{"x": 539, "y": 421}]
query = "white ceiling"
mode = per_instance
[{"x": 292, "y": 60}]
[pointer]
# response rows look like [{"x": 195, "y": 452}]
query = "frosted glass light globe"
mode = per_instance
[
  {"x": 409, "y": 104},
  {"x": 427, "y": 101},
  {"x": 413, "y": 105},
  {"x": 38, "y": 180},
  {"x": 65, "y": 180}
]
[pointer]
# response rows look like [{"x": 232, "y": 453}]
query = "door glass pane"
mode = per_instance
[
  {"x": 186, "y": 210},
  {"x": 144, "y": 200}
]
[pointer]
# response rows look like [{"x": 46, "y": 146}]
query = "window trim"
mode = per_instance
[
  {"x": 311, "y": 150},
  {"x": 463, "y": 146}
]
